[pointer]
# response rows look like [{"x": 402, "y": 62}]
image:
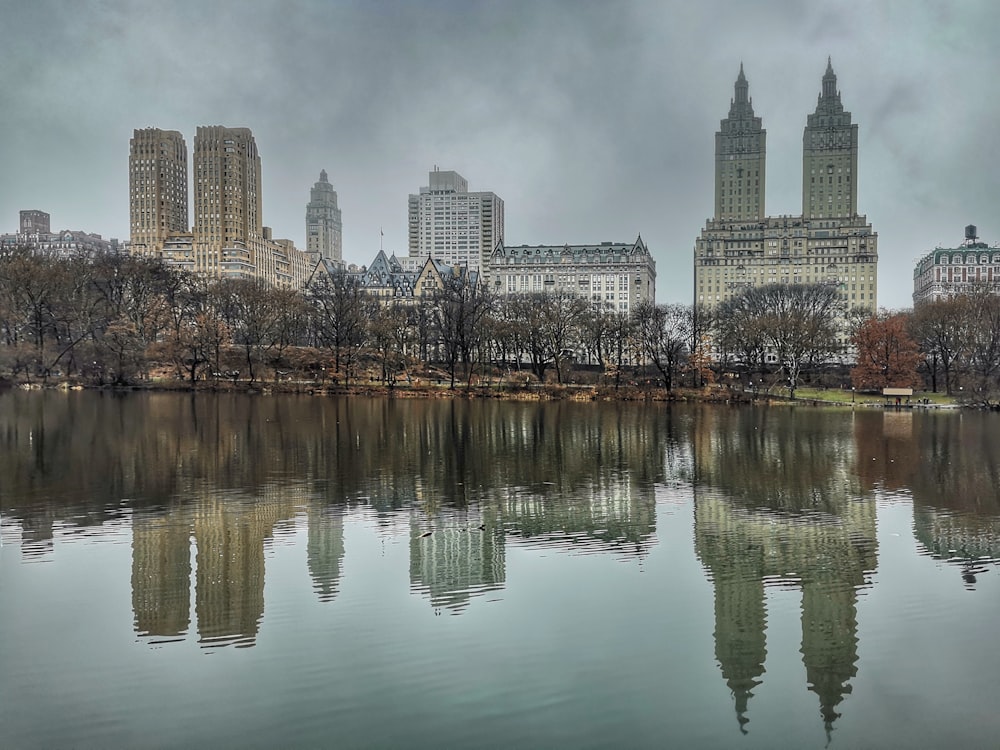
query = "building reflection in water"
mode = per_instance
[
  {"x": 951, "y": 468},
  {"x": 161, "y": 574},
  {"x": 230, "y": 533},
  {"x": 606, "y": 514},
  {"x": 781, "y": 496},
  {"x": 459, "y": 556},
  {"x": 777, "y": 503},
  {"x": 460, "y": 480},
  {"x": 325, "y": 548}
]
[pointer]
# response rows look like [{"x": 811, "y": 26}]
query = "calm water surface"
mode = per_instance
[{"x": 228, "y": 571}]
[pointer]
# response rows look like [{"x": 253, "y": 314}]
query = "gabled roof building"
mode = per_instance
[{"x": 389, "y": 281}]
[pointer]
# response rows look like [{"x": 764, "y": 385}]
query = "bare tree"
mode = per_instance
[
  {"x": 390, "y": 335},
  {"x": 606, "y": 333},
  {"x": 460, "y": 309},
  {"x": 340, "y": 314},
  {"x": 983, "y": 315},
  {"x": 663, "y": 333},
  {"x": 740, "y": 335},
  {"x": 251, "y": 310},
  {"x": 562, "y": 317},
  {"x": 797, "y": 323},
  {"x": 940, "y": 327}
]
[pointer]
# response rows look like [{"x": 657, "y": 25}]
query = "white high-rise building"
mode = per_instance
[{"x": 450, "y": 224}]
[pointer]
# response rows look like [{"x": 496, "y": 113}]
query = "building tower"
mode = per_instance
[
  {"x": 228, "y": 232},
  {"x": 740, "y": 149},
  {"x": 448, "y": 223},
  {"x": 35, "y": 222},
  {"x": 158, "y": 188},
  {"x": 323, "y": 223},
  {"x": 829, "y": 156}
]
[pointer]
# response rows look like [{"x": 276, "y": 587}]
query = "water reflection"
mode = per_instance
[
  {"x": 950, "y": 467},
  {"x": 325, "y": 549},
  {"x": 781, "y": 498},
  {"x": 229, "y": 533},
  {"x": 206, "y": 488},
  {"x": 778, "y": 502},
  {"x": 460, "y": 556}
]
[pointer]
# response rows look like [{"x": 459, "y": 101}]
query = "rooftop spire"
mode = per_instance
[
  {"x": 322, "y": 176},
  {"x": 741, "y": 87},
  {"x": 829, "y": 80}
]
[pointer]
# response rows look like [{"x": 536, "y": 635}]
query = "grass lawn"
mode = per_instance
[{"x": 846, "y": 396}]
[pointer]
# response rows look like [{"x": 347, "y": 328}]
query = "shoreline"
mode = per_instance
[{"x": 501, "y": 392}]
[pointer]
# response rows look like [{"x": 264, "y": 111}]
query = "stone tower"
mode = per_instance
[
  {"x": 740, "y": 148},
  {"x": 324, "y": 228},
  {"x": 829, "y": 157}
]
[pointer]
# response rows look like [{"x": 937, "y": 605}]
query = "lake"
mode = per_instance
[{"x": 206, "y": 570}]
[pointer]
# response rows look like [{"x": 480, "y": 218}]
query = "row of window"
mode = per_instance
[{"x": 969, "y": 260}]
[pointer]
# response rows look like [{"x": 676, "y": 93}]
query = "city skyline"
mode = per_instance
[{"x": 592, "y": 121}]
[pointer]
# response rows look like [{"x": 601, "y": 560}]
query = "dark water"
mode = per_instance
[{"x": 226, "y": 571}]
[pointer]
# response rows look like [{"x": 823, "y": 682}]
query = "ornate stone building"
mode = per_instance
[
  {"x": 830, "y": 242},
  {"x": 390, "y": 281},
  {"x": 947, "y": 272},
  {"x": 615, "y": 274}
]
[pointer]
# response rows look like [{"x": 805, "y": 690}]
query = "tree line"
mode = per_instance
[{"x": 118, "y": 319}]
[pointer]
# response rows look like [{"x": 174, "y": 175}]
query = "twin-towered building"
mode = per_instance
[
  {"x": 830, "y": 242},
  {"x": 228, "y": 238}
]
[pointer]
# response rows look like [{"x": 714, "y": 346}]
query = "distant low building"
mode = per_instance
[
  {"x": 33, "y": 221},
  {"x": 34, "y": 234},
  {"x": 947, "y": 272},
  {"x": 615, "y": 275}
]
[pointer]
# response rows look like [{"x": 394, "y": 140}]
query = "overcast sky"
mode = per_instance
[{"x": 591, "y": 120}]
